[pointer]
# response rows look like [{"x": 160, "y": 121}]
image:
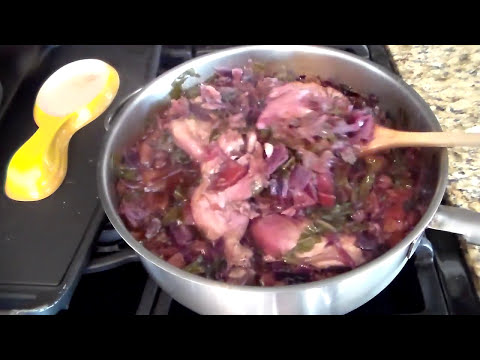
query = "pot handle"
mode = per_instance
[
  {"x": 458, "y": 221},
  {"x": 112, "y": 113},
  {"x": 111, "y": 261}
]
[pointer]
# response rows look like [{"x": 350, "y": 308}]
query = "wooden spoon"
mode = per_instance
[{"x": 384, "y": 138}]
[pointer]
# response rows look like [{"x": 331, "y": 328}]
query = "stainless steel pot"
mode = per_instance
[{"x": 337, "y": 295}]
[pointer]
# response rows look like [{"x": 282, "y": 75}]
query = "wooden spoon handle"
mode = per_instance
[{"x": 387, "y": 138}]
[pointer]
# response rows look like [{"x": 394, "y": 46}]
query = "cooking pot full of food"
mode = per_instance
[{"x": 237, "y": 177}]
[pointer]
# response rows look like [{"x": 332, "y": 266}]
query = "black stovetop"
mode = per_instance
[{"x": 79, "y": 262}]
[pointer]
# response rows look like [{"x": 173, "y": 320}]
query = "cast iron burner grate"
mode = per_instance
[{"x": 434, "y": 281}]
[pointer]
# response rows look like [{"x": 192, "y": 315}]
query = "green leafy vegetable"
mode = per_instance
[
  {"x": 321, "y": 226},
  {"x": 374, "y": 166},
  {"x": 287, "y": 167},
  {"x": 356, "y": 227},
  {"x": 215, "y": 134},
  {"x": 306, "y": 244},
  {"x": 116, "y": 160},
  {"x": 258, "y": 67},
  {"x": 192, "y": 92},
  {"x": 309, "y": 237},
  {"x": 215, "y": 267},
  {"x": 127, "y": 173},
  {"x": 173, "y": 215},
  {"x": 286, "y": 74},
  {"x": 365, "y": 186},
  {"x": 180, "y": 193},
  {"x": 330, "y": 220},
  {"x": 176, "y": 91},
  {"x": 197, "y": 267},
  {"x": 291, "y": 258}
]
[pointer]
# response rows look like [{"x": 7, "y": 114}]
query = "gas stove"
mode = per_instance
[{"x": 62, "y": 256}]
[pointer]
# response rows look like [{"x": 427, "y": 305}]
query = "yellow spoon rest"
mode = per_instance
[{"x": 71, "y": 98}]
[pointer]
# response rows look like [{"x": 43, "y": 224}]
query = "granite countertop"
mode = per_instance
[{"x": 448, "y": 79}]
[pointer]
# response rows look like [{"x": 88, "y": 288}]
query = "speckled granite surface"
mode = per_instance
[{"x": 448, "y": 78}]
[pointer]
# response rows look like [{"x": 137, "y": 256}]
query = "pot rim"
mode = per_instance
[{"x": 112, "y": 214}]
